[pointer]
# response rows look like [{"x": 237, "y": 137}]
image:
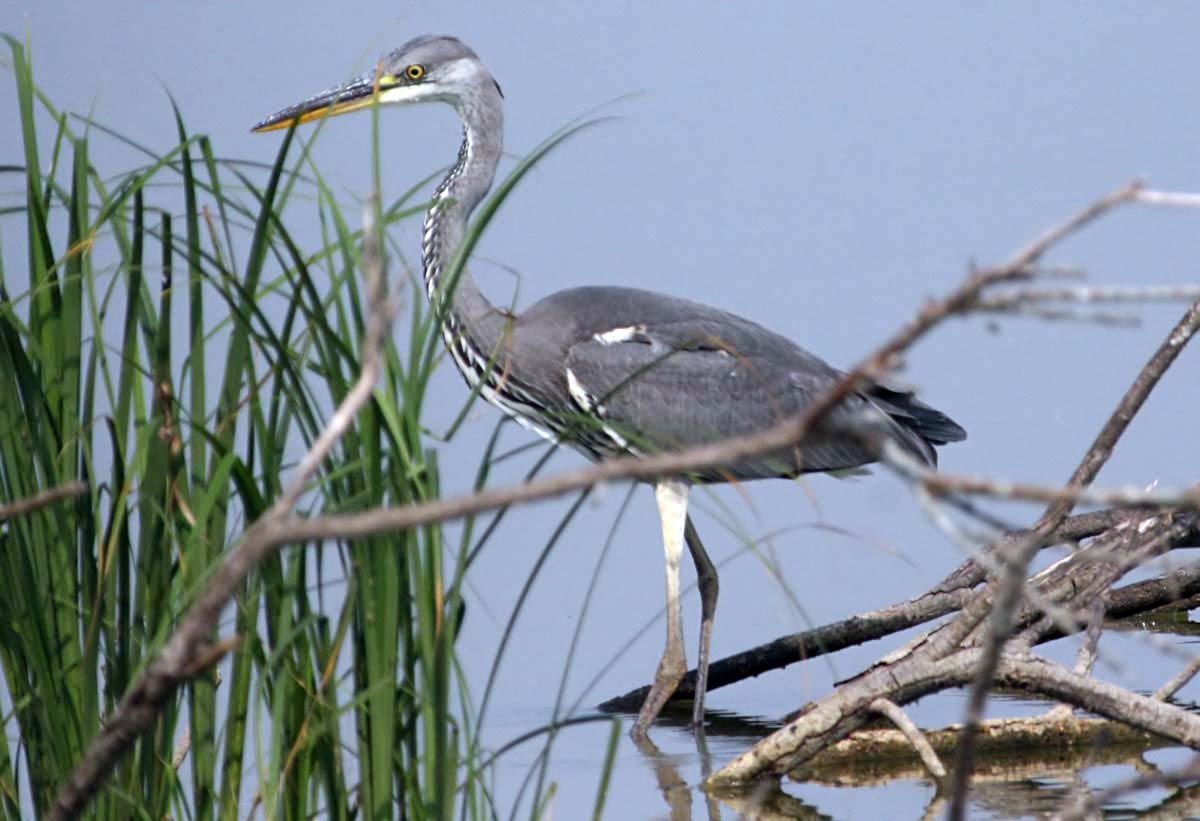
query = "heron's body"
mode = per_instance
[
  {"x": 669, "y": 373},
  {"x": 613, "y": 370}
]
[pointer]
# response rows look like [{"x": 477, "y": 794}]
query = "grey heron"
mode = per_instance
[{"x": 649, "y": 372}]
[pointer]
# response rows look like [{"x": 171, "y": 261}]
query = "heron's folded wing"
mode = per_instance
[{"x": 656, "y": 398}]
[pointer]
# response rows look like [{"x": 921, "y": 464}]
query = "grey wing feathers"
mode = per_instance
[
  {"x": 666, "y": 373},
  {"x": 657, "y": 398}
]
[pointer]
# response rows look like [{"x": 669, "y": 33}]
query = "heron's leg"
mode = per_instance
[
  {"x": 672, "y": 509},
  {"x": 706, "y": 578}
]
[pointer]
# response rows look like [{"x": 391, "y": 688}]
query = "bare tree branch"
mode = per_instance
[
  {"x": 1089, "y": 294},
  {"x": 914, "y": 735},
  {"x": 1178, "y": 681},
  {"x": 20, "y": 507},
  {"x": 1009, "y": 586},
  {"x": 847, "y": 709},
  {"x": 1035, "y": 310},
  {"x": 1085, "y": 659},
  {"x": 1170, "y": 199},
  {"x": 956, "y": 483}
]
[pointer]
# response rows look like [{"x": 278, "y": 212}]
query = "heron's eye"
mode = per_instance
[{"x": 414, "y": 72}]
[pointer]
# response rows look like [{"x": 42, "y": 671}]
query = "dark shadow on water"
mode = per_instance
[
  {"x": 723, "y": 724},
  {"x": 1174, "y": 622}
]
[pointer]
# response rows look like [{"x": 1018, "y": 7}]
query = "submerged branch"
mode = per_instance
[
  {"x": 848, "y": 709},
  {"x": 879, "y": 755},
  {"x": 876, "y": 624}
]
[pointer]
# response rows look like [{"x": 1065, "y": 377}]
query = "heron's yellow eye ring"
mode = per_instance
[{"x": 414, "y": 72}]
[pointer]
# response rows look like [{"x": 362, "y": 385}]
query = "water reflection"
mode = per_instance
[
  {"x": 674, "y": 788},
  {"x": 764, "y": 801},
  {"x": 1183, "y": 803},
  {"x": 1034, "y": 778},
  {"x": 722, "y": 724},
  {"x": 1173, "y": 621},
  {"x": 1028, "y": 781}
]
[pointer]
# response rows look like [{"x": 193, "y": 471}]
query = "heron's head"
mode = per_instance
[{"x": 423, "y": 69}]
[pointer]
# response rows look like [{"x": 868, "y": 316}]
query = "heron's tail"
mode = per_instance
[{"x": 928, "y": 424}]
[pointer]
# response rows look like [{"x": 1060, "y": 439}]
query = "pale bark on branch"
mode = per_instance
[
  {"x": 29, "y": 504},
  {"x": 1011, "y": 748},
  {"x": 913, "y": 735},
  {"x": 849, "y": 708}
]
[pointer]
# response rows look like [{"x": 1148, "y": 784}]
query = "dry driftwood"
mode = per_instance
[{"x": 1012, "y": 748}]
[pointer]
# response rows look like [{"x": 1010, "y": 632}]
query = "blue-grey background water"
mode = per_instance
[{"x": 821, "y": 168}]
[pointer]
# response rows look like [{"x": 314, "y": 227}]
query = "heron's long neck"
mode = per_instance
[{"x": 446, "y": 222}]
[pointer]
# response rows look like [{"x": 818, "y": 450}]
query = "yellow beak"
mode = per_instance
[{"x": 356, "y": 94}]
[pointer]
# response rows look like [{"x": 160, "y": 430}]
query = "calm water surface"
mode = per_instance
[{"x": 660, "y": 781}]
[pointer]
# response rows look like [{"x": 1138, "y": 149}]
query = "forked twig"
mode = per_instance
[{"x": 913, "y": 733}]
